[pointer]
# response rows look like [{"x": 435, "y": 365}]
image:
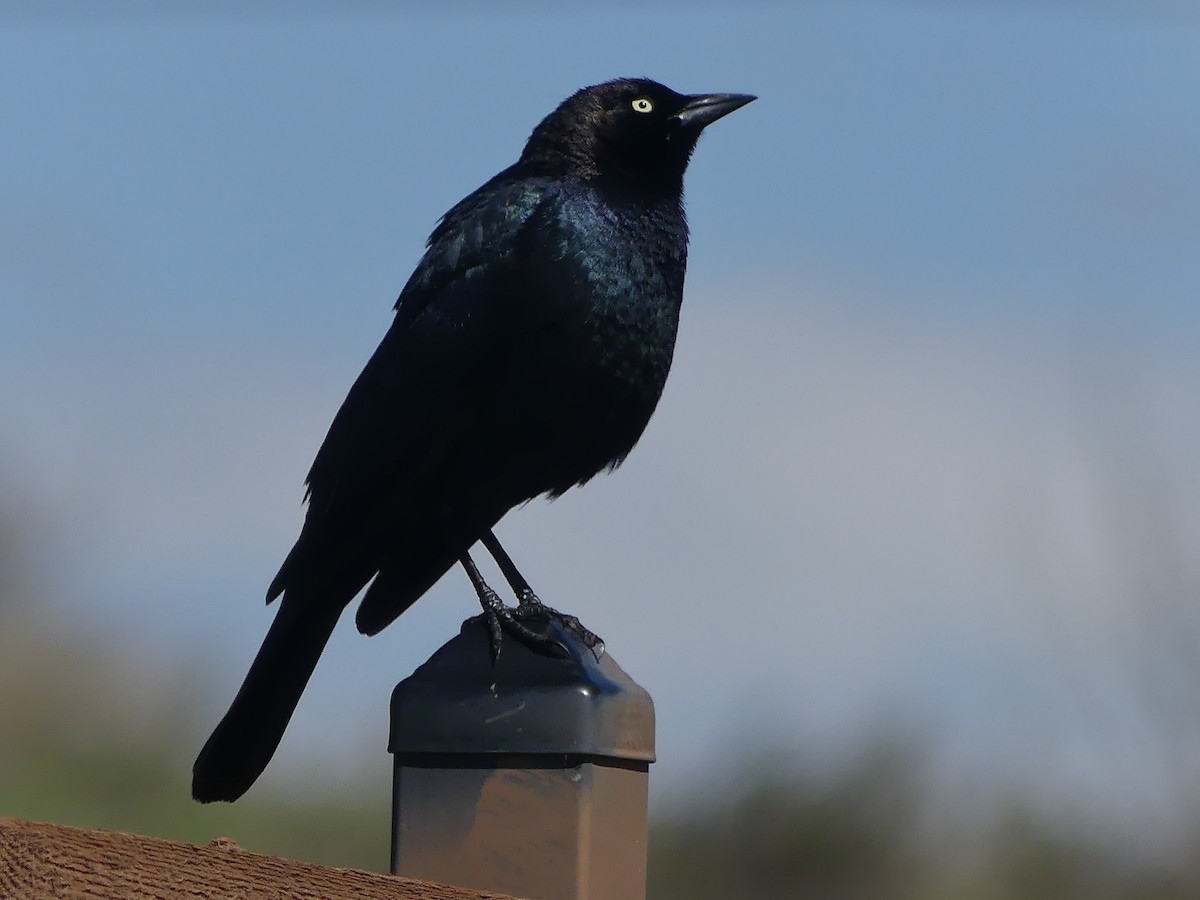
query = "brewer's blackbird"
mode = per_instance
[{"x": 528, "y": 351}]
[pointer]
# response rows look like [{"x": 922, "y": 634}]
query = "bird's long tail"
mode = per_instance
[{"x": 245, "y": 740}]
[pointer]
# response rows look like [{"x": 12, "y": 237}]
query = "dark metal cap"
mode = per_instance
[{"x": 459, "y": 703}]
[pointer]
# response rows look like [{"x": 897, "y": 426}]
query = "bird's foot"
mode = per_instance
[
  {"x": 530, "y": 608},
  {"x": 500, "y": 619}
]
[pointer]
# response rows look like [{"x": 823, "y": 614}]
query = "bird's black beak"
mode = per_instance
[{"x": 704, "y": 109}]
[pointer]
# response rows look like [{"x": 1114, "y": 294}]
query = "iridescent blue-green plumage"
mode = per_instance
[{"x": 528, "y": 352}]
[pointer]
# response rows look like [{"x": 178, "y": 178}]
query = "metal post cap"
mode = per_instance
[{"x": 460, "y": 703}]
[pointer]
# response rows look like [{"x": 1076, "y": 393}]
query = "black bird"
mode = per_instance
[{"x": 528, "y": 351}]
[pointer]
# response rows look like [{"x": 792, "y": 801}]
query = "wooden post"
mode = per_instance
[
  {"x": 39, "y": 861},
  {"x": 529, "y": 777}
]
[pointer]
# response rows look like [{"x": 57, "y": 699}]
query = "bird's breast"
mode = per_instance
[
  {"x": 628, "y": 266},
  {"x": 600, "y": 330}
]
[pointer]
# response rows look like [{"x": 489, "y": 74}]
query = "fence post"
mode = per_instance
[{"x": 527, "y": 778}]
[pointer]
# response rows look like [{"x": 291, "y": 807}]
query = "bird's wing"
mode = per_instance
[
  {"x": 411, "y": 400},
  {"x": 477, "y": 237}
]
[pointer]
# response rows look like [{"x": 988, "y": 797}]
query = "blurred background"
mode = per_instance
[{"x": 906, "y": 557}]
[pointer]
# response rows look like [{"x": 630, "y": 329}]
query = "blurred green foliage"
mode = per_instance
[
  {"x": 74, "y": 750},
  {"x": 864, "y": 829}
]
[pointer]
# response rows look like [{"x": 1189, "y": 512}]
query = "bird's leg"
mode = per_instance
[
  {"x": 499, "y": 618},
  {"x": 529, "y": 605},
  {"x": 527, "y": 600}
]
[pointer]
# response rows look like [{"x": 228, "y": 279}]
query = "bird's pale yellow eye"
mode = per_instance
[{"x": 643, "y": 105}]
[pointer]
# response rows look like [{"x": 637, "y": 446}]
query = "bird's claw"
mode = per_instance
[
  {"x": 500, "y": 619},
  {"x": 531, "y": 608}
]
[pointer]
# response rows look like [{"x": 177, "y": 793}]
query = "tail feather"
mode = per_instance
[{"x": 246, "y": 738}]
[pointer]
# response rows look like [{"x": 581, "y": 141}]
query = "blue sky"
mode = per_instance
[{"x": 940, "y": 317}]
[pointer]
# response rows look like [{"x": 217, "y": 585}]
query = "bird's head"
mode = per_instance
[{"x": 633, "y": 131}]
